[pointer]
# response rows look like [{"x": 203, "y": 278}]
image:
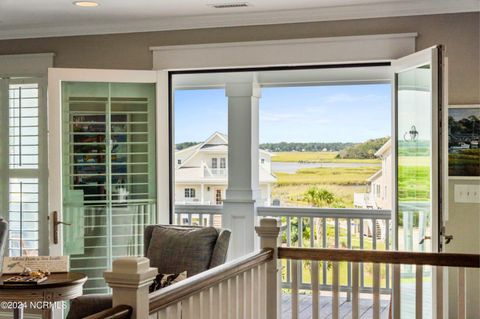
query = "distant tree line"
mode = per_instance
[
  {"x": 304, "y": 147},
  {"x": 363, "y": 150}
]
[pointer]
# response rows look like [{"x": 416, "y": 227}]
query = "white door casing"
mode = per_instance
[{"x": 55, "y": 77}]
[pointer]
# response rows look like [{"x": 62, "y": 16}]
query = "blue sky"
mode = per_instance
[{"x": 346, "y": 113}]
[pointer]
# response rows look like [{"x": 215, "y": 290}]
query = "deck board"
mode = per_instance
[
  {"x": 365, "y": 304},
  {"x": 325, "y": 305}
]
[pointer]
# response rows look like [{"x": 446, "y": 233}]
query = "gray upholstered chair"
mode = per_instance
[{"x": 172, "y": 249}]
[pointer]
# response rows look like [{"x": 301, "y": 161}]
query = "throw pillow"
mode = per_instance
[{"x": 165, "y": 280}]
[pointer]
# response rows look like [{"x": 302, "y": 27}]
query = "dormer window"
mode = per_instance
[
  {"x": 214, "y": 162},
  {"x": 179, "y": 161},
  {"x": 223, "y": 162}
]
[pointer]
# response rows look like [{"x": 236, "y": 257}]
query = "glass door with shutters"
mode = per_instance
[{"x": 108, "y": 173}]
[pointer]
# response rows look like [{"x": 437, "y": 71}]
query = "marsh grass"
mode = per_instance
[{"x": 317, "y": 157}]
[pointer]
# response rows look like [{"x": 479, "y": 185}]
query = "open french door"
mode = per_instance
[
  {"x": 417, "y": 88},
  {"x": 106, "y": 136}
]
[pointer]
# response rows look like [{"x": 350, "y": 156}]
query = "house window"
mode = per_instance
[
  {"x": 223, "y": 162},
  {"x": 189, "y": 192},
  {"x": 179, "y": 162},
  {"x": 377, "y": 190},
  {"x": 218, "y": 197},
  {"x": 262, "y": 161},
  {"x": 214, "y": 162}
]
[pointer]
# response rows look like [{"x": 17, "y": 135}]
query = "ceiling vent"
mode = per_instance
[{"x": 229, "y": 5}]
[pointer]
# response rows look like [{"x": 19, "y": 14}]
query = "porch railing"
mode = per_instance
[
  {"x": 250, "y": 286},
  {"x": 331, "y": 228}
]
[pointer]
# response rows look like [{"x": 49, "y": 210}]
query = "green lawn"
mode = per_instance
[{"x": 316, "y": 157}]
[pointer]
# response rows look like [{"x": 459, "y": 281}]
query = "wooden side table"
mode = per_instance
[{"x": 58, "y": 287}]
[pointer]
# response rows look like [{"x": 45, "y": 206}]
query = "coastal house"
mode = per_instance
[
  {"x": 201, "y": 173},
  {"x": 379, "y": 184}
]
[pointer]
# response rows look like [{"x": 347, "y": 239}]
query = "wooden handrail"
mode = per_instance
[
  {"x": 118, "y": 312},
  {"x": 381, "y": 257},
  {"x": 164, "y": 297}
]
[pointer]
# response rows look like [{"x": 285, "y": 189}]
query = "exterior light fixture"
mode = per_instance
[
  {"x": 85, "y": 4},
  {"x": 413, "y": 134}
]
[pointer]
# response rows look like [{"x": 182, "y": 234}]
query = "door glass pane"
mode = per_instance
[
  {"x": 108, "y": 173},
  {"x": 414, "y": 116}
]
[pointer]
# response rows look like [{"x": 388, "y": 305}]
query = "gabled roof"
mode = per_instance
[
  {"x": 375, "y": 176},
  {"x": 209, "y": 146},
  {"x": 201, "y": 145},
  {"x": 386, "y": 148}
]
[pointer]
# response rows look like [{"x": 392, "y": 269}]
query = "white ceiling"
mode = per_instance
[{"x": 41, "y": 18}]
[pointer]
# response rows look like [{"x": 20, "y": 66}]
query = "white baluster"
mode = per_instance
[
  {"x": 438, "y": 293},
  {"x": 206, "y": 300},
  {"x": 315, "y": 291},
  {"x": 376, "y": 291},
  {"x": 355, "y": 285},
  {"x": 232, "y": 296},
  {"x": 461, "y": 293},
  {"x": 396, "y": 301},
  {"x": 241, "y": 295},
  {"x": 263, "y": 290},
  {"x": 187, "y": 308},
  {"x": 248, "y": 294},
  {"x": 255, "y": 294},
  {"x": 295, "y": 280},
  {"x": 418, "y": 291},
  {"x": 335, "y": 290},
  {"x": 197, "y": 307},
  {"x": 225, "y": 299},
  {"x": 216, "y": 302}
]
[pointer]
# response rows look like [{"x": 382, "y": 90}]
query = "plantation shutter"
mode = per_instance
[{"x": 108, "y": 173}]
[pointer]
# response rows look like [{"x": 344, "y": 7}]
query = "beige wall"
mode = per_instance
[{"x": 458, "y": 32}]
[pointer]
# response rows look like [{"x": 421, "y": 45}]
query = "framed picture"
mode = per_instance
[{"x": 463, "y": 141}]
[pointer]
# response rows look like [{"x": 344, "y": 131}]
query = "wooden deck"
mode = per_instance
[
  {"x": 305, "y": 306},
  {"x": 365, "y": 304}
]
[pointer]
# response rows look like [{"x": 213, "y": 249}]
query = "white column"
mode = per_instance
[
  {"x": 239, "y": 214},
  {"x": 129, "y": 280}
]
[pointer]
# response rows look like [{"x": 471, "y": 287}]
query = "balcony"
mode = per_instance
[
  {"x": 333, "y": 228},
  {"x": 253, "y": 286}
]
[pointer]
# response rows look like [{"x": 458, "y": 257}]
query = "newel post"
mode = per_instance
[
  {"x": 269, "y": 233},
  {"x": 129, "y": 280}
]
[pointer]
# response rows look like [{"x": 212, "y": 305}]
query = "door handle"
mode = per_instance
[
  {"x": 57, "y": 222},
  {"x": 423, "y": 239},
  {"x": 448, "y": 239}
]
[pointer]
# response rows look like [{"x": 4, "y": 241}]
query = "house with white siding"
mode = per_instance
[
  {"x": 379, "y": 184},
  {"x": 201, "y": 172}
]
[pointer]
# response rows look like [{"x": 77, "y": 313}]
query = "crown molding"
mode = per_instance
[{"x": 364, "y": 11}]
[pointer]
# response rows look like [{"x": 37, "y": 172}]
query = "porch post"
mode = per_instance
[
  {"x": 243, "y": 193},
  {"x": 269, "y": 233},
  {"x": 129, "y": 280}
]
